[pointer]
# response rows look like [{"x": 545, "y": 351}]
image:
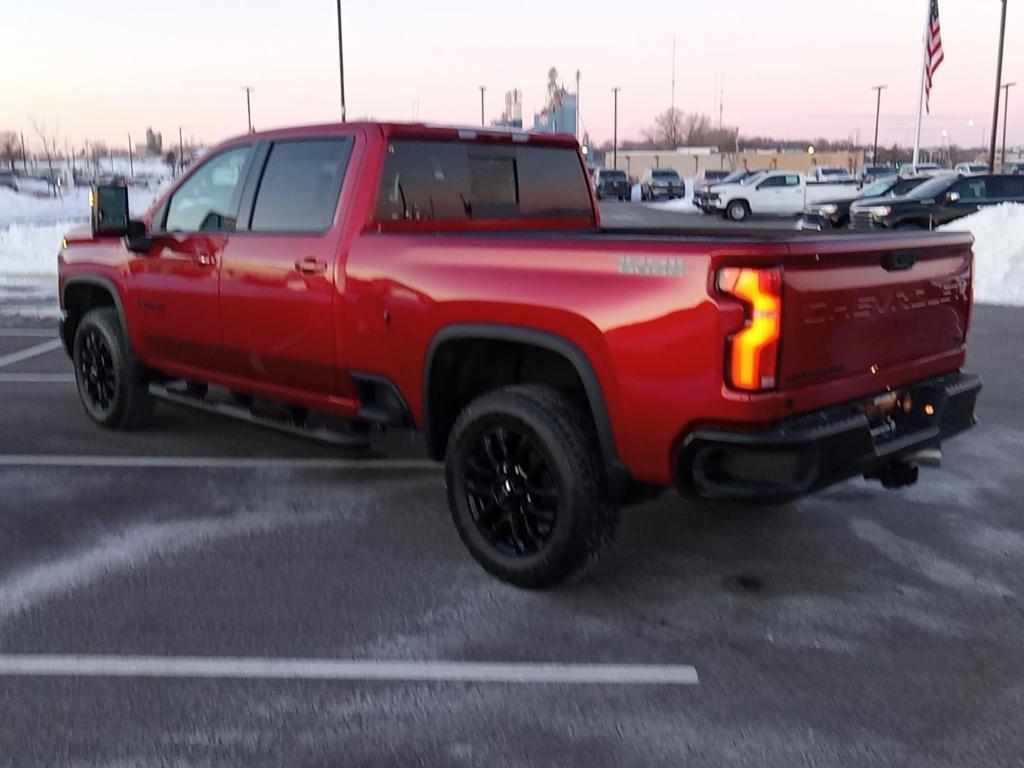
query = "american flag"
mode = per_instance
[{"x": 934, "y": 55}]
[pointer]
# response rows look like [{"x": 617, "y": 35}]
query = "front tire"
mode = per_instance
[
  {"x": 737, "y": 211},
  {"x": 526, "y": 486},
  {"x": 111, "y": 381}
]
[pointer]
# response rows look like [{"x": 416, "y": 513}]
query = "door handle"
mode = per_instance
[
  {"x": 204, "y": 259},
  {"x": 310, "y": 266}
]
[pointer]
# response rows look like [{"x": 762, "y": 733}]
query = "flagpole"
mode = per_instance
[{"x": 924, "y": 72}]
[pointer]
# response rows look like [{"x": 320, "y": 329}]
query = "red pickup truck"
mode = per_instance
[{"x": 459, "y": 282}]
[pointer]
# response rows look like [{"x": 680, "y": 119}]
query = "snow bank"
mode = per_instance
[
  {"x": 682, "y": 205},
  {"x": 31, "y": 249},
  {"x": 23, "y": 207},
  {"x": 998, "y": 253}
]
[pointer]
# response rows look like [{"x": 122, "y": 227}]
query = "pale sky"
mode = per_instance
[{"x": 791, "y": 68}]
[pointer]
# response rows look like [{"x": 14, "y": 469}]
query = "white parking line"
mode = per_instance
[
  {"x": 209, "y": 462},
  {"x": 229, "y": 668},
  {"x": 26, "y": 354},
  {"x": 37, "y": 378},
  {"x": 27, "y": 333}
]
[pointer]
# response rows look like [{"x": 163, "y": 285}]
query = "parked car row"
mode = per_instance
[
  {"x": 834, "y": 214},
  {"x": 937, "y": 201}
]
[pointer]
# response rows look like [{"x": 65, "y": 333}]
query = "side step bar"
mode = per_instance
[{"x": 338, "y": 433}]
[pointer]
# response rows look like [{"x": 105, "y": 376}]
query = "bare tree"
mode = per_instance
[
  {"x": 667, "y": 131},
  {"x": 8, "y": 147},
  {"x": 50, "y": 137}
]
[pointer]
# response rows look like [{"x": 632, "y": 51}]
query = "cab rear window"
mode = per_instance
[{"x": 458, "y": 181}]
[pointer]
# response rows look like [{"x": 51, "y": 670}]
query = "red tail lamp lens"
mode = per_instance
[{"x": 754, "y": 350}]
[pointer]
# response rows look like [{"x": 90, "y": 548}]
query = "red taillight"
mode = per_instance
[{"x": 753, "y": 358}]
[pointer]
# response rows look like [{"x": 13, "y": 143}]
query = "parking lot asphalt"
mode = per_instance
[{"x": 855, "y": 627}]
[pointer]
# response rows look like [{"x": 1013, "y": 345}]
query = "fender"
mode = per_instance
[
  {"x": 98, "y": 281},
  {"x": 618, "y": 475}
]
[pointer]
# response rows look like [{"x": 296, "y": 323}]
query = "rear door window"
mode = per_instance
[
  {"x": 301, "y": 181},
  {"x": 1007, "y": 187},
  {"x": 456, "y": 181}
]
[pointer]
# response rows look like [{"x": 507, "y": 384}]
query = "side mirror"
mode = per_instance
[
  {"x": 109, "y": 210},
  {"x": 135, "y": 237},
  {"x": 952, "y": 197}
]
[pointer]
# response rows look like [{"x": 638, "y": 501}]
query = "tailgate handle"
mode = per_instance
[{"x": 897, "y": 261}]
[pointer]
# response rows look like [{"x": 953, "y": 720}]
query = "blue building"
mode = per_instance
[
  {"x": 557, "y": 118},
  {"x": 559, "y": 113}
]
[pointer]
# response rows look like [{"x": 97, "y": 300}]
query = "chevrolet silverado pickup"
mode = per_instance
[{"x": 459, "y": 282}]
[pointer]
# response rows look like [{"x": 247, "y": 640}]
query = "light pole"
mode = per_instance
[
  {"x": 878, "y": 113},
  {"x": 1006, "y": 110},
  {"x": 615, "y": 129},
  {"x": 482, "y": 89},
  {"x": 248, "y": 104},
  {"x": 946, "y": 140},
  {"x": 999, "y": 78},
  {"x": 131, "y": 160},
  {"x": 181, "y": 151},
  {"x": 341, "y": 65},
  {"x": 576, "y": 127}
]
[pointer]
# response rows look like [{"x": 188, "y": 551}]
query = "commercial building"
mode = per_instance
[
  {"x": 512, "y": 117},
  {"x": 689, "y": 161},
  {"x": 559, "y": 113}
]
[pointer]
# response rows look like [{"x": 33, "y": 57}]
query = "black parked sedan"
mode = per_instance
[
  {"x": 832, "y": 214},
  {"x": 937, "y": 201}
]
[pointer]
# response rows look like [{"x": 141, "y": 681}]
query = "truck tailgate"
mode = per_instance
[{"x": 860, "y": 306}]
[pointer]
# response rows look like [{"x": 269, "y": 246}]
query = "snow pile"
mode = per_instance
[
  {"x": 22, "y": 207},
  {"x": 998, "y": 253},
  {"x": 28, "y": 250},
  {"x": 680, "y": 205}
]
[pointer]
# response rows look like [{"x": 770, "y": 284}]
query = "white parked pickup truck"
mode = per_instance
[{"x": 776, "y": 193}]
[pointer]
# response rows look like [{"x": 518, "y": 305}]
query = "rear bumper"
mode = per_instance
[
  {"x": 815, "y": 450},
  {"x": 667, "y": 193}
]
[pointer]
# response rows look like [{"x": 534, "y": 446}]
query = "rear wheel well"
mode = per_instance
[{"x": 462, "y": 369}]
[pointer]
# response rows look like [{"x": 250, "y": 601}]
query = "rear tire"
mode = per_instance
[
  {"x": 112, "y": 383},
  {"x": 526, "y": 486}
]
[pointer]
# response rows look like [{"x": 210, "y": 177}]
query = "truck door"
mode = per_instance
[
  {"x": 280, "y": 276},
  {"x": 962, "y": 199},
  {"x": 174, "y": 285},
  {"x": 767, "y": 197}
]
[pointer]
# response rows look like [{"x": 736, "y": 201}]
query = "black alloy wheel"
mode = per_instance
[
  {"x": 526, "y": 486},
  {"x": 511, "y": 492},
  {"x": 96, "y": 372}
]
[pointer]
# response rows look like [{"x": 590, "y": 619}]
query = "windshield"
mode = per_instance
[
  {"x": 613, "y": 175},
  {"x": 930, "y": 188},
  {"x": 877, "y": 189},
  {"x": 833, "y": 172},
  {"x": 734, "y": 176},
  {"x": 978, "y": 168},
  {"x": 664, "y": 175},
  {"x": 753, "y": 177}
]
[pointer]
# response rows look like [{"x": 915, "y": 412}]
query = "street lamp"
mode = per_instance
[
  {"x": 999, "y": 78},
  {"x": 878, "y": 112},
  {"x": 482, "y": 89},
  {"x": 341, "y": 65},
  {"x": 248, "y": 104},
  {"x": 615, "y": 129},
  {"x": 1006, "y": 110}
]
